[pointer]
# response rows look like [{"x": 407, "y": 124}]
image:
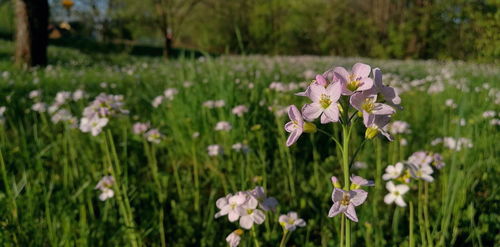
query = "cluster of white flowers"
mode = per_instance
[
  {"x": 104, "y": 185},
  {"x": 246, "y": 206},
  {"x": 455, "y": 144},
  {"x": 398, "y": 127},
  {"x": 210, "y": 104},
  {"x": 57, "y": 110},
  {"x": 151, "y": 134},
  {"x": 223, "y": 126},
  {"x": 215, "y": 150},
  {"x": 168, "y": 94},
  {"x": 96, "y": 115},
  {"x": 418, "y": 166}
]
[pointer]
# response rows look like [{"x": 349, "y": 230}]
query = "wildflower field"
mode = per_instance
[{"x": 116, "y": 150}]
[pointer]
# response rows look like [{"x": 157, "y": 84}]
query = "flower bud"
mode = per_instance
[
  {"x": 239, "y": 232},
  {"x": 309, "y": 127},
  {"x": 341, "y": 110},
  {"x": 371, "y": 132},
  {"x": 335, "y": 182}
]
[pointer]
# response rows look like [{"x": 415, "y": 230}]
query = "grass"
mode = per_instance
[{"x": 165, "y": 193}]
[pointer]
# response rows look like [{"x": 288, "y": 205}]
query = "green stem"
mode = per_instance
[
  {"x": 342, "y": 230},
  {"x": 254, "y": 235},
  {"x": 412, "y": 240},
  {"x": 426, "y": 214},
  {"x": 419, "y": 215},
  {"x": 283, "y": 239},
  {"x": 345, "y": 161}
]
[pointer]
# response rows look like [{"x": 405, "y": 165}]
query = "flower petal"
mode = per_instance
[
  {"x": 359, "y": 197},
  {"x": 351, "y": 213},
  {"x": 246, "y": 221},
  {"x": 361, "y": 70},
  {"x": 294, "y": 136},
  {"x": 389, "y": 198},
  {"x": 312, "y": 111}
]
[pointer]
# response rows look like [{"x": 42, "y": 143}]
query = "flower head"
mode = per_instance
[
  {"x": 357, "y": 182},
  {"x": 231, "y": 205},
  {"x": 234, "y": 238},
  {"x": 324, "y": 103},
  {"x": 291, "y": 221},
  {"x": 223, "y": 126},
  {"x": 375, "y": 124},
  {"x": 154, "y": 136},
  {"x": 93, "y": 125},
  {"x": 346, "y": 201},
  {"x": 140, "y": 128},
  {"x": 393, "y": 171},
  {"x": 215, "y": 150},
  {"x": 396, "y": 193},
  {"x": 239, "y": 110},
  {"x": 104, "y": 185},
  {"x": 297, "y": 125},
  {"x": 250, "y": 214},
  {"x": 355, "y": 81},
  {"x": 265, "y": 203}
]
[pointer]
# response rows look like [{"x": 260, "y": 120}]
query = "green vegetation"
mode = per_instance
[{"x": 166, "y": 192}]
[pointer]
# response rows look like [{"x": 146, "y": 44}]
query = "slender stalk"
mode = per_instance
[
  {"x": 342, "y": 230},
  {"x": 283, "y": 239},
  {"x": 254, "y": 236},
  {"x": 426, "y": 215},
  {"x": 345, "y": 162},
  {"x": 419, "y": 215},
  {"x": 412, "y": 240}
]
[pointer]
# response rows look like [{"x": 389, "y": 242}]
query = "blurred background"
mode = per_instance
[{"x": 402, "y": 29}]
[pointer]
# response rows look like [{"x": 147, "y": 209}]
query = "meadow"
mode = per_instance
[{"x": 214, "y": 126}]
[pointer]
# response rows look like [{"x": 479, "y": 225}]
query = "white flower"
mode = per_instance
[
  {"x": 422, "y": 171},
  {"x": 153, "y": 136},
  {"x": 78, "y": 95},
  {"x": 489, "y": 114},
  {"x": 157, "y": 101},
  {"x": 250, "y": 214},
  {"x": 291, "y": 221},
  {"x": 234, "y": 238},
  {"x": 39, "y": 107},
  {"x": 239, "y": 110},
  {"x": 231, "y": 205},
  {"x": 223, "y": 126},
  {"x": 219, "y": 103},
  {"x": 266, "y": 203},
  {"x": 420, "y": 158},
  {"x": 93, "y": 125},
  {"x": 240, "y": 147},
  {"x": 214, "y": 150},
  {"x": 393, "y": 172},
  {"x": 170, "y": 93},
  {"x": 104, "y": 185},
  {"x": 396, "y": 193},
  {"x": 35, "y": 94}
]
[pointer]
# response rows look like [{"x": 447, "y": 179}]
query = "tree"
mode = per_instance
[{"x": 32, "y": 19}]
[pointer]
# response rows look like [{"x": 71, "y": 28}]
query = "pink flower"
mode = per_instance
[
  {"x": 346, "y": 201},
  {"x": 140, "y": 128},
  {"x": 365, "y": 102},
  {"x": 324, "y": 103},
  {"x": 320, "y": 81},
  {"x": 297, "y": 125},
  {"x": 239, "y": 110},
  {"x": 355, "y": 81},
  {"x": 389, "y": 93},
  {"x": 375, "y": 124}
]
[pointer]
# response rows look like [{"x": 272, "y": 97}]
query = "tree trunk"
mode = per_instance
[
  {"x": 167, "y": 48},
  {"x": 32, "y": 19}
]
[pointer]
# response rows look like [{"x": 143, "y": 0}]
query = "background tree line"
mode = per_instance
[{"x": 419, "y": 29}]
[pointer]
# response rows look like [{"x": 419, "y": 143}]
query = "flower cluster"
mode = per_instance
[
  {"x": 451, "y": 143},
  {"x": 418, "y": 166},
  {"x": 104, "y": 185},
  {"x": 370, "y": 98},
  {"x": 246, "y": 206},
  {"x": 345, "y": 201},
  {"x": 97, "y": 114},
  {"x": 168, "y": 94},
  {"x": 151, "y": 134}
]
